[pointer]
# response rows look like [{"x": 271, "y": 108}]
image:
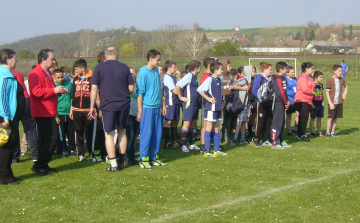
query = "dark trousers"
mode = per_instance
[
  {"x": 264, "y": 117},
  {"x": 278, "y": 123},
  {"x": 132, "y": 132},
  {"x": 48, "y": 135},
  {"x": 30, "y": 131},
  {"x": 304, "y": 110},
  {"x": 7, "y": 152},
  {"x": 83, "y": 125},
  {"x": 225, "y": 125},
  {"x": 67, "y": 129}
]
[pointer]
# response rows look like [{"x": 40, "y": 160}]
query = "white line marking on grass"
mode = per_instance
[{"x": 245, "y": 198}]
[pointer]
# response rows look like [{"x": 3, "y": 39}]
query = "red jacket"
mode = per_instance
[
  {"x": 305, "y": 88},
  {"x": 20, "y": 79},
  {"x": 43, "y": 100}
]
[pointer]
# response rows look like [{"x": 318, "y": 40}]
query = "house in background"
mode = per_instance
[
  {"x": 237, "y": 29},
  {"x": 327, "y": 47}
]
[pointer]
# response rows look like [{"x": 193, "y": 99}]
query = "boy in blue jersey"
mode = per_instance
[
  {"x": 172, "y": 104},
  {"x": 211, "y": 91},
  {"x": 190, "y": 100},
  {"x": 149, "y": 102},
  {"x": 291, "y": 83}
]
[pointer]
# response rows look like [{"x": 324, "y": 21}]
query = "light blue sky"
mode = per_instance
[{"x": 25, "y": 19}]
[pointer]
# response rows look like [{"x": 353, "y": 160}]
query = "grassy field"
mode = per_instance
[{"x": 310, "y": 182}]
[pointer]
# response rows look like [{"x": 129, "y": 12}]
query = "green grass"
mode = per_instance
[{"x": 313, "y": 182}]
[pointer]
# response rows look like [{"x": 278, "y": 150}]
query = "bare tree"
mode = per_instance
[
  {"x": 87, "y": 40},
  {"x": 171, "y": 36},
  {"x": 193, "y": 40},
  {"x": 63, "y": 45}
]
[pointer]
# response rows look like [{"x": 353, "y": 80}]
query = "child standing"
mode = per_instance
[
  {"x": 318, "y": 105},
  {"x": 291, "y": 85},
  {"x": 335, "y": 98},
  {"x": 212, "y": 85},
  {"x": 280, "y": 104},
  {"x": 62, "y": 119}
]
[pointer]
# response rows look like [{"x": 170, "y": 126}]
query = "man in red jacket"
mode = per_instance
[{"x": 43, "y": 104}]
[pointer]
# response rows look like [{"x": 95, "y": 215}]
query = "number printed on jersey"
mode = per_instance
[{"x": 295, "y": 89}]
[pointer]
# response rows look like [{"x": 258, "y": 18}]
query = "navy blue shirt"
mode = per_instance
[
  {"x": 113, "y": 79},
  {"x": 213, "y": 88},
  {"x": 169, "y": 85},
  {"x": 189, "y": 84}
]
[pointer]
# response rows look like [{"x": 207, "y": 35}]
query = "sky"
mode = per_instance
[{"x": 25, "y": 19}]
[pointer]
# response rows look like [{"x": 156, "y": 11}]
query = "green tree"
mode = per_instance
[
  {"x": 128, "y": 50},
  {"x": 312, "y": 35},
  {"x": 204, "y": 39},
  {"x": 25, "y": 53},
  {"x": 350, "y": 32},
  {"x": 298, "y": 36},
  {"x": 225, "y": 48}
]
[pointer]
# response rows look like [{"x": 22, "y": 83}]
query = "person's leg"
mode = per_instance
[
  {"x": 63, "y": 133},
  {"x": 288, "y": 122},
  {"x": 334, "y": 122},
  {"x": 71, "y": 133},
  {"x": 312, "y": 121},
  {"x": 145, "y": 134},
  {"x": 303, "y": 118},
  {"x": 6, "y": 156},
  {"x": 208, "y": 130},
  {"x": 318, "y": 125},
  {"x": 276, "y": 124},
  {"x": 268, "y": 122},
  {"x": 30, "y": 131},
  {"x": 130, "y": 134},
  {"x": 24, "y": 145},
  {"x": 216, "y": 126},
  {"x": 173, "y": 130},
  {"x": 89, "y": 129},
  {"x": 166, "y": 132},
  {"x": 16, "y": 157},
  {"x": 328, "y": 125},
  {"x": 122, "y": 139},
  {"x": 156, "y": 135},
  {"x": 226, "y": 125}
]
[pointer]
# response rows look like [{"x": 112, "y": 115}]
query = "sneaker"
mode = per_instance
[
  {"x": 176, "y": 144},
  {"x": 278, "y": 146},
  {"x": 256, "y": 142},
  {"x": 219, "y": 153},
  {"x": 42, "y": 172},
  {"x": 194, "y": 147},
  {"x": 81, "y": 158},
  {"x": 25, "y": 155},
  {"x": 327, "y": 136},
  {"x": 312, "y": 134},
  {"x": 233, "y": 142},
  {"x": 34, "y": 161},
  {"x": 112, "y": 169},
  {"x": 157, "y": 163},
  {"x": 321, "y": 134},
  {"x": 133, "y": 162},
  {"x": 245, "y": 142},
  {"x": 97, "y": 159},
  {"x": 184, "y": 148},
  {"x": 64, "y": 155},
  {"x": 72, "y": 153},
  {"x": 266, "y": 143},
  {"x": 333, "y": 135},
  {"x": 303, "y": 138},
  {"x": 145, "y": 165},
  {"x": 208, "y": 154},
  {"x": 290, "y": 133},
  {"x": 284, "y": 144},
  {"x": 202, "y": 149}
]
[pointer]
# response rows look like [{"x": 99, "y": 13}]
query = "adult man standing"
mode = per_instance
[
  {"x": 344, "y": 68},
  {"x": 115, "y": 84},
  {"x": 43, "y": 104}
]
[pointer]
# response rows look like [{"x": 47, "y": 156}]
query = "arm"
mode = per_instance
[
  {"x": 39, "y": 91},
  {"x": 131, "y": 88},
  {"x": 140, "y": 108},
  {"x": 205, "y": 87},
  {"x": 211, "y": 100},
  {"x": 256, "y": 86},
  {"x": 345, "y": 93},
  {"x": 93, "y": 96},
  {"x": 4, "y": 102},
  {"x": 332, "y": 106},
  {"x": 304, "y": 86}
]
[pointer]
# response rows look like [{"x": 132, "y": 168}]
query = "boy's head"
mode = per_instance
[
  {"x": 281, "y": 68},
  {"x": 187, "y": 68},
  {"x": 337, "y": 70},
  {"x": 208, "y": 60},
  {"x": 233, "y": 73},
  {"x": 161, "y": 70},
  {"x": 194, "y": 67},
  {"x": 170, "y": 67},
  {"x": 153, "y": 58},
  {"x": 290, "y": 71},
  {"x": 54, "y": 66},
  {"x": 343, "y": 61},
  {"x": 101, "y": 57},
  {"x": 241, "y": 71},
  {"x": 266, "y": 69},
  {"x": 183, "y": 73},
  {"x": 318, "y": 76},
  {"x": 65, "y": 70},
  {"x": 58, "y": 76},
  {"x": 216, "y": 68},
  {"x": 133, "y": 71},
  {"x": 80, "y": 67}
]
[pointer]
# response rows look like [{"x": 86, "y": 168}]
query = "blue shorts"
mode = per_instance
[
  {"x": 213, "y": 116},
  {"x": 172, "y": 112},
  {"x": 317, "y": 112},
  {"x": 115, "y": 119},
  {"x": 190, "y": 113}
]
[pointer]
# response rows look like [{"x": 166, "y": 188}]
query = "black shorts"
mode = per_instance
[
  {"x": 115, "y": 119},
  {"x": 291, "y": 109},
  {"x": 317, "y": 112},
  {"x": 337, "y": 112},
  {"x": 172, "y": 112}
]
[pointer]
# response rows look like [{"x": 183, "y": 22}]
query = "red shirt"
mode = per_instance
[
  {"x": 20, "y": 79},
  {"x": 204, "y": 77},
  {"x": 43, "y": 100},
  {"x": 305, "y": 88}
]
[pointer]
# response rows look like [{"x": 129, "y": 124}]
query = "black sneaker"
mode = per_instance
[
  {"x": 256, "y": 142},
  {"x": 133, "y": 162},
  {"x": 245, "y": 142},
  {"x": 42, "y": 172},
  {"x": 112, "y": 169},
  {"x": 333, "y": 135},
  {"x": 25, "y": 155},
  {"x": 327, "y": 136},
  {"x": 304, "y": 138},
  {"x": 312, "y": 134},
  {"x": 233, "y": 142}
]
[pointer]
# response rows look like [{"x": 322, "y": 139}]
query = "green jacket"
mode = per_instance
[{"x": 64, "y": 101}]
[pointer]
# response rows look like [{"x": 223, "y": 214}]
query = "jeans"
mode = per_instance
[{"x": 132, "y": 132}]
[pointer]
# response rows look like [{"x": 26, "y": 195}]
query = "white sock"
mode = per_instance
[{"x": 113, "y": 162}]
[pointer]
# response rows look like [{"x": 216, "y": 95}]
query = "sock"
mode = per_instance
[
  {"x": 113, "y": 162},
  {"x": 190, "y": 136},
  {"x": 327, "y": 133},
  {"x": 174, "y": 136},
  {"x": 194, "y": 136},
  {"x": 184, "y": 134},
  {"x": 207, "y": 141},
  {"x": 236, "y": 137},
  {"x": 166, "y": 133},
  {"x": 216, "y": 142},
  {"x": 242, "y": 137},
  {"x": 332, "y": 132}
]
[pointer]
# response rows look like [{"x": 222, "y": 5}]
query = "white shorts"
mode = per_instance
[{"x": 213, "y": 116}]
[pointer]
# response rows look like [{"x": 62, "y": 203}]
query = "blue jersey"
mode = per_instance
[
  {"x": 189, "y": 84},
  {"x": 291, "y": 88},
  {"x": 169, "y": 86},
  {"x": 213, "y": 87}
]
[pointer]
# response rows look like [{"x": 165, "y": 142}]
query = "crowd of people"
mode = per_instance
[{"x": 110, "y": 107}]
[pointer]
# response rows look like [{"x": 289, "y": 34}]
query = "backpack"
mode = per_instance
[
  {"x": 251, "y": 97},
  {"x": 265, "y": 93},
  {"x": 234, "y": 104}
]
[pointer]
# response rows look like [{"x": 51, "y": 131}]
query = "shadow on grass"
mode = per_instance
[{"x": 347, "y": 131}]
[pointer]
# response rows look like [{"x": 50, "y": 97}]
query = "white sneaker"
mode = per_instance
[
  {"x": 195, "y": 147},
  {"x": 184, "y": 149},
  {"x": 81, "y": 158}
]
